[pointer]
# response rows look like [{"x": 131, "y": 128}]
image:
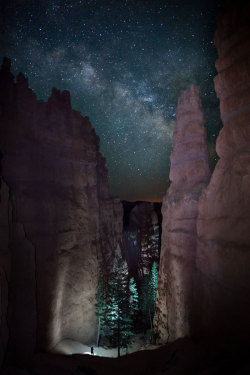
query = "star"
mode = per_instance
[{"x": 125, "y": 66}]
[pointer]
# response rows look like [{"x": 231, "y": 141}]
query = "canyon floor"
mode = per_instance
[
  {"x": 182, "y": 357},
  {"x": 69, "y": 347}
]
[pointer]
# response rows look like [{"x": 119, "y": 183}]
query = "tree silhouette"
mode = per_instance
[
  {"x": 148, "y": 295},
  {"x": 100, "y": 310},
  {"x": 118, "y": 313}
]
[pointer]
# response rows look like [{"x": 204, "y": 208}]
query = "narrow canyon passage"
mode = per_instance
[{"x": 81, "y": 267}]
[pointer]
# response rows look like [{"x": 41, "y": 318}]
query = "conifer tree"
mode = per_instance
[
  {"x": 100, "y": 310},
  {"x": 118, "y": 320},
  {"x": 148, "y": 295},
  {"x": 117, "y": 306},
  {"x": 153, "y": 286},
  {"x": 133, "y": 302},
  {"x": 144, "y": 301},
  {"x": 133, "y": 297}
]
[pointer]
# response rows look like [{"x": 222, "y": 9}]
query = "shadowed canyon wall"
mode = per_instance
[
  {"x": 61, "y": 228},
  {"x": 5, "y": 217},
  {"x": 189, "y": 173},
  {"x": 223, "y": 249},
  {"x": 143, "y": 217},
  {"x": 141, "y": 237},
  {"x": 204, "y": 280}
]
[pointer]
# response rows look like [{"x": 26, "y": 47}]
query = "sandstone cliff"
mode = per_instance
[
  {"x": 64, "y": 226},
  {"x": 143, "y": 218},
  {"x": 223, "y": 251},
  {"x": 189, "y": 173},
  {"x": 141, "y": 237},
  {"x": 5, "y": 216}
]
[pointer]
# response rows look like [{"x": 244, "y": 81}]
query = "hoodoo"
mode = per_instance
[
  {"x": 60, "y": 231},
  {"x": 223, "y": 251},
  {"x": 189, "y": 173}
]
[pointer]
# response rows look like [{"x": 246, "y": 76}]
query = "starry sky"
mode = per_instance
[{"x": 125, "y": 63}]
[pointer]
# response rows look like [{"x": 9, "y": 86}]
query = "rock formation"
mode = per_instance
[
  {"x": 5, "y": 214},
  {"x": 143, "y": 217},
  {"x": 141, "y": 242},
  {"x": 64, "y": 227},
  {"x": 189, "y": 173},
  {"x": 223, "y": 250}
]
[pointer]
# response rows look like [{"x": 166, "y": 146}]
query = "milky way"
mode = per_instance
[{"x": 125, "y": 63}]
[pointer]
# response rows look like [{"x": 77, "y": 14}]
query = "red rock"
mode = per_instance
[
  {"x": 65, "y": 226},
  {"x": 5, "y": 213},
  {"x": 223, "y": 250},
  {"x": 189, "y": 173},
  {"x": 141, "y": 240}
]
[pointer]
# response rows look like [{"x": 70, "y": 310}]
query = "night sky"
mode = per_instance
[{"x": 125, "y": 63}]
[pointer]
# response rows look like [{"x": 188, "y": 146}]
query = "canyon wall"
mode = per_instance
[
  {"x": 204, "y": 279},
  {"x": 189, "y": 174},
  {"x": 64, "y": 228},
  {"x": 141, "y": 238},
  {"x": 5, "y": 215},
  {"x": 144, "y": 219},
  {"x": 223, "y": 249}
]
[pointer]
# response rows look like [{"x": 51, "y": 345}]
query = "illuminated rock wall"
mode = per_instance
[
  {"x": 65, "y": 227},
  {"x": 223, "y": 251},
  {"x": 204, "y": 281},
  {"x": 189, "y": 173}
]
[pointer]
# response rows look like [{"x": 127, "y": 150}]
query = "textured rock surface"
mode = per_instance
[
  {"x": 223, "y": 251},
  {"x": 65, "y": 225},
  {"x": 5, "y": 212},
  {"x": 141, "y": 242},
  {"x": 189, "y": 173},
  {"x": 143, "y": 218},
  {"x": 17, "y": 287}
]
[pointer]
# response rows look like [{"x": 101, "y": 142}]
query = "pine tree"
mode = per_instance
[
  {"x": 153, "y": 286},
  {"x": 144, "y": 301},
  {"x": 148, "y": 295},
  {"x": 119, "y": 321},
  {"x": 133, "y": 297},
  {"x": 100, "y": 310}
]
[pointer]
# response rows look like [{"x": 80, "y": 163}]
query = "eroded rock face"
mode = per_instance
[
  {"x": 223, "y": 251},
  {"x": 5, "y": 213},
  {"x": 141, "y": 237},
  {"x": 65, "y": 225},
  {"x": 189, "y": 173},
  {"x": 144, "y": 220}
]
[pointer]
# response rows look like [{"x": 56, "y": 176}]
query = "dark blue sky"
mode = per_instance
[{"x": 125, "y": 63}]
